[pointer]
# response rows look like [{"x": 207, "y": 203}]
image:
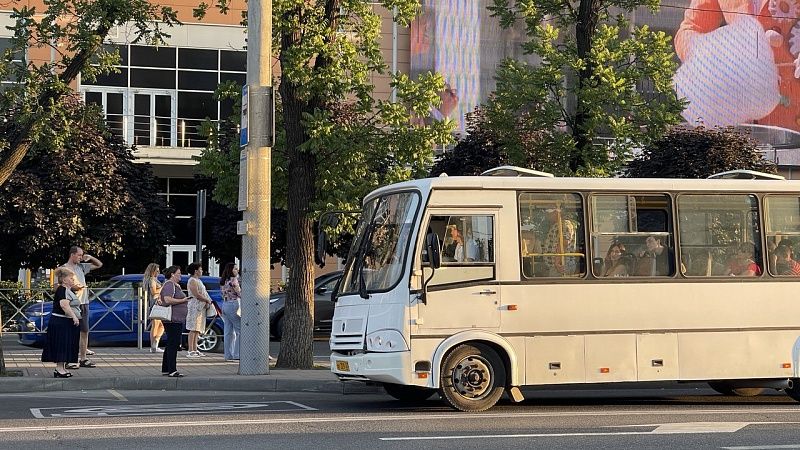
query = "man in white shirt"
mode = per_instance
[{"x": 82, "y": 263}]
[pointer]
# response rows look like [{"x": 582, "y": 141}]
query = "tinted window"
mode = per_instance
[
  {"x": 231, "y": 60},
  {"x": 149, "y": 78},
  {"x": 197, "y": 81},
  {"x": 147, "y": 56},
  {"x": 191, "y": 58}
]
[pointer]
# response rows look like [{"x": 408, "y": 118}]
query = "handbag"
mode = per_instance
[
  {"x": 159, "y": 312},
  {"x": 211, "y": 311}
]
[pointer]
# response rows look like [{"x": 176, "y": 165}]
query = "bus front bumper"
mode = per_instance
[{"x": 382, "y": 367}]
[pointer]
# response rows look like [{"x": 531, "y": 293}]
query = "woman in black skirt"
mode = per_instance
[{"x": 61, "y": 345}]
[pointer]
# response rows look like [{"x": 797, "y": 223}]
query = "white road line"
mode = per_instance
[
  {"x": 667, "y": 428},
  {"x": 390, "y": 418},
  {"x": 763, "y": 447},
  {"x": 116, "y": 394}
]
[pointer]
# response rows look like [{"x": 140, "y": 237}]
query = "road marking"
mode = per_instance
[
  {"x": 167, "y": 409},
  {"x": 390, "y": 418},
  {"x": 116, "y": 394},
  {"x": 763, "y": 447},
  {"x": 666, "y": 428}
]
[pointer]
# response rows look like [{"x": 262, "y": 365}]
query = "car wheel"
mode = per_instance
[
  {"x": 278, "y": 331},
  {"x": 408, "y": 394},
  {"x": 211, "y": 340},
  {"x": 473, "y": 378}
]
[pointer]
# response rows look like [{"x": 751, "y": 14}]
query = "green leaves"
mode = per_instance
[{"x": 614, "y": 82}]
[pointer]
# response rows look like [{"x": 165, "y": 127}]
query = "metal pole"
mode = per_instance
[
  {"x": 141, "y": 318},
  {"x": 255, "y": 226},
  {"x": 200, "y": 213}
]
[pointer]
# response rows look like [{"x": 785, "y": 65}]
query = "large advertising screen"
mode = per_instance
[{"x": 738, "y": 60}]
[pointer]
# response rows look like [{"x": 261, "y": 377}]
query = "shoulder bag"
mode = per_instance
[{"x": 160, "y": 312}]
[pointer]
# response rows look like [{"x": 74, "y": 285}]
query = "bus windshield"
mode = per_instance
[{"x": 381, "y": 244}]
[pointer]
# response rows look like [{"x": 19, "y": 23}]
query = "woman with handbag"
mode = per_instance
[
  {"x": 173, "y": 297},
  {"x": 231, "y": 310},
  {"x": 152, "y": 288},
  {"x": 198, "y": 308},
  {"x": 61, "y": 346}
]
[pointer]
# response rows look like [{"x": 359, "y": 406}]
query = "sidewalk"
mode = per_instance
[{"x": 128, "y": 368}]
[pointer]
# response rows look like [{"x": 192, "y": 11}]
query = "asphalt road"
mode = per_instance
[{"x": 689, "y": 417}]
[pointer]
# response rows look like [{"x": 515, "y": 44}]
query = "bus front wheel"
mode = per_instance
[
  {"x": 726, "y": 389},
  {"x": 473, "y": 378},
  {"x": 408, "y": 394}
]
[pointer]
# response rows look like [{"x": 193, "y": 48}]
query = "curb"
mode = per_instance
[{"x": 237, "y": 383}]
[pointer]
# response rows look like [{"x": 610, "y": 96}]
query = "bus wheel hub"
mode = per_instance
[{"x": 472, "y": 377}]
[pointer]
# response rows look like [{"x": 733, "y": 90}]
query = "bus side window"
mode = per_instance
[
  {"x": 551, "y": 235},
  {"x": 467, "y": 247},
  {"x": 782, "y": 214}
]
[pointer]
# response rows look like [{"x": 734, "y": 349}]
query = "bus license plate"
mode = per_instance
[{"x": 343, "y": 366}]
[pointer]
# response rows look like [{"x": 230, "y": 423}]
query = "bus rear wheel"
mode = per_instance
[
  {"x": 408, "y": 394},
  {"x": 473, "y": 378},
  {"x": 726, "y": 389}
]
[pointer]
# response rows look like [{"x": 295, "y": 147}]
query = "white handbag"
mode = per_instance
[
  {"x": 211, "y": 311},
  {"x": 159, "y": 312}
]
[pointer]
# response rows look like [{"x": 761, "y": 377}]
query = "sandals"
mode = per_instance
[
  {"x": 72, "y": 366},
  {"x": 57, "y": 374},
  {"x": 86, "y": 363},
  {"x": 175, "y": 374}
]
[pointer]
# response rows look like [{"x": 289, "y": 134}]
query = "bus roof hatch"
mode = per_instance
[
  {"x": 745, "y": 175},
  {"x": 514, "y": 171}
]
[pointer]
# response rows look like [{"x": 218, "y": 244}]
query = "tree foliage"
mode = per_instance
[
  {"x": 698, "y": 153},
  {"x": 486, "y": 146},
  {"x": 337, "y": 141},
  {"x": 584, "y": 84},
  {"x": 74, "y": 30},
  {"x": 79, "y": 186}
]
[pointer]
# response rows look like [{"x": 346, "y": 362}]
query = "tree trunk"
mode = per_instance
[
  {"x": 21, "y": 133},
  {"x": 585, "y": 28},
  {"x": 297, "y": 340}
]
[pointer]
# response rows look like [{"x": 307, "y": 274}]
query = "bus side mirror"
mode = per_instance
[
  {"x": 322, "y": 247},
  {"x": 433, "y": 248}
]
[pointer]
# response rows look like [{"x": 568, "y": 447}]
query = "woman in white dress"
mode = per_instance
[{"x": 196, "y": 317}]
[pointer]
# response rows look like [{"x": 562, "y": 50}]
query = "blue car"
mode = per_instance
[{"x": 113, "y": 315}]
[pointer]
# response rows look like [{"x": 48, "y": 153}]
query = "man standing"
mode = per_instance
[{"x": 82, "y": 263}]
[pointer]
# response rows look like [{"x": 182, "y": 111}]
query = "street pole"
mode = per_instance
[{"x": 254, "y": 190}]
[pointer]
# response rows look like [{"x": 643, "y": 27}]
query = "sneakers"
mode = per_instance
[
  {"x": 192, "y": 354},
  {"x": 272, "y": 358},
  {"x": 156, "y": 350},
  {"x": 89, "y": 352}
]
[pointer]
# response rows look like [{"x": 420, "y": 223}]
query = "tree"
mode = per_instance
[
  {"x": 75, "y": 30},
  {"x": 585, "y": 85},
  {"x": 486, "y": 146},
  {"x": 79, "y": 185},
  {"x": 337, "y": 141},
  {"x": 698, "y": 153}
]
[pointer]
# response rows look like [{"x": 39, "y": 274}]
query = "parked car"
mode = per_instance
[
  {"x": 323, "y": 306},
  {"x": 113, "y": 315}
]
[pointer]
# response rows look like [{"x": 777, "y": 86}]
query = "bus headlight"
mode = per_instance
[{"x": 386, "y": 341}]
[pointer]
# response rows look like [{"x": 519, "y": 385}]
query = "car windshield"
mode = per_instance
[{"x": 381, "y": 243}]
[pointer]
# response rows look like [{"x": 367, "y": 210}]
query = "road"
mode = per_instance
[{"x": 688, "y": 417}]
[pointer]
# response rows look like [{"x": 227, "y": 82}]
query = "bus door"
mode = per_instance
[{"x": 463, "y": 292}]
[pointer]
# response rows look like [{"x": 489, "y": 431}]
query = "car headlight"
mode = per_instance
[
  {"x": 386, "y": 341},
  {"x": 272, "y": 300}
]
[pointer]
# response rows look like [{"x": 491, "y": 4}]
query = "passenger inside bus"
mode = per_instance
[
  {"x": 560, "y": 240},
  {"x": 614, "y": 265},
  {"x": 457, "y": 248},
  {"x": 743, "y": 263},
  {"x": 655, "y": 259},
  {"x": 784, "y": 264}
]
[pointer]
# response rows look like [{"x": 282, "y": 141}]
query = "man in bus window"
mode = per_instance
[
  {"x": 785, "y": 265},
  {"x": 560, "y": 240},
  {"x": 661, "y": 257}
]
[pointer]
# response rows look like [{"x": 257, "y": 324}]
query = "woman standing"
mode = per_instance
[
  {"x": 61, "y": 346},
  {"x": 152, "y": 287},
  {"x": 172, "y": 295},
  {"x": 231, "y": 310},
  {"x": 200, "y": 301}
]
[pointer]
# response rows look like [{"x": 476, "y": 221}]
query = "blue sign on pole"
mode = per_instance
[{"x": 243, "y": 135}]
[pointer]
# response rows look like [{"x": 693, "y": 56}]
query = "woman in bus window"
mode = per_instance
[
  {"x": 743, "y": 264},
  {"x": 614, "y": 266}
]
